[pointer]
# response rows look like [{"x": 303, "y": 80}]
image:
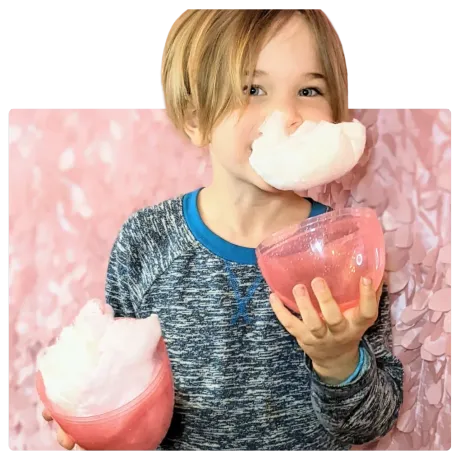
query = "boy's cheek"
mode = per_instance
[{"x": 233, "y": 139}]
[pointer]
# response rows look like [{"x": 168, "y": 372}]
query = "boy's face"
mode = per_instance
[{"x": 288, "y": 79}]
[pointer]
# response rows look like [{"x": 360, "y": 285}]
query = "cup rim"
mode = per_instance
[{"x": 308, "y": 222}]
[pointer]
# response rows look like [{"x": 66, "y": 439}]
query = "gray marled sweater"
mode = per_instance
[{"x": 241, "y": 381}]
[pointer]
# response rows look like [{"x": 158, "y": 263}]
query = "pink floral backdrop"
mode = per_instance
[{"x": 76, "y": 175}]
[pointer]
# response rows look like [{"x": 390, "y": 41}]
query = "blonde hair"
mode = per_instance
[{"x": 209, "y": 54}]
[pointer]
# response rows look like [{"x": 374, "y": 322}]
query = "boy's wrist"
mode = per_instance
[{"x": 337, "y": 370}]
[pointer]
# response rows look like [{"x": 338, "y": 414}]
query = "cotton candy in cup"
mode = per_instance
[
  {"x": 316, "y": 153},
  {"x": 108, "y": 382},
  {"x": 340, "y": 246},
  {"x": 140, "y": 424}
]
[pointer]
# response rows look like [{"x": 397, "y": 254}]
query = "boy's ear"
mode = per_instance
[{"x": 191, "y": 128}]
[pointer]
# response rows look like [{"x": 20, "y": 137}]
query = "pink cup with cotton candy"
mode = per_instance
[
  {"x": 121, "y": 395},
  {"x": 140, "y": 424}
]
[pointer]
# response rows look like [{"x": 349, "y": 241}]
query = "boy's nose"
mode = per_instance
[
  {"x": 292, "y": 117},
  {"x": 292, "y": 124}
]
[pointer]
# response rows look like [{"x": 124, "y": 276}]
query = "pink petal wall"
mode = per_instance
[{"x": 76, "y": 175}]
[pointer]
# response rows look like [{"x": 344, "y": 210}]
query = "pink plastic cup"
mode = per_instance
[
  {"x": 340, "y": 246},
  {"x": 139, "y": 425}
]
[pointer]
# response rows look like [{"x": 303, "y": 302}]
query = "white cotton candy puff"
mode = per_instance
[
  {"x": 100, "y": 363},
  {"x": 316, "y": 153}
]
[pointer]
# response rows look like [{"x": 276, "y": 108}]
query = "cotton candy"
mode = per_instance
[
  {"x": 100, "y": 363},
  {"x": 315, "y": 154}
]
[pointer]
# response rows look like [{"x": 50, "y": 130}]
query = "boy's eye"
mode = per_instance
[
  {"x": 253, "y": 90},
  {"x": 310, "y": 92}
]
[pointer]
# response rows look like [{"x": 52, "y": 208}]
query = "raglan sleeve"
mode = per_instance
[{"x": 123, "y": 290}]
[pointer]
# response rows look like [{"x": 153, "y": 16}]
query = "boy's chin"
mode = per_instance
[
  {"x": 262, "y": 185},
  {"x": 257, "y": 181}
]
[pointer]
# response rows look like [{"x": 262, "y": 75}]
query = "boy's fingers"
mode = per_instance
[
  {"x": 332, "y": 315},
  {"x": 309, "y": 315},
  {"x": 368, "y": 306},
  {"x": 46, "y": 415},
  {"x": 290, "y": 322},
  {"x": 64, "y": 439}
]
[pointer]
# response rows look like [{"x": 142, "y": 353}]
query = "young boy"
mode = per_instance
[{"x": 247, "y": 375}]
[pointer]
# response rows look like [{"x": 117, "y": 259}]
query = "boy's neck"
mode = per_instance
[{"x": 245, "y": 215}]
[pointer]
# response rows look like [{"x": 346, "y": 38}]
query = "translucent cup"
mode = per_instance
[
  {"x": 340, "y": 246},
  {"x": 140, "y": 424}
]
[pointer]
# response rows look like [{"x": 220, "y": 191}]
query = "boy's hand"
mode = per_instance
[
  {"x": 63, "y": 438},
  {"x": 333, "y": 343}
]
